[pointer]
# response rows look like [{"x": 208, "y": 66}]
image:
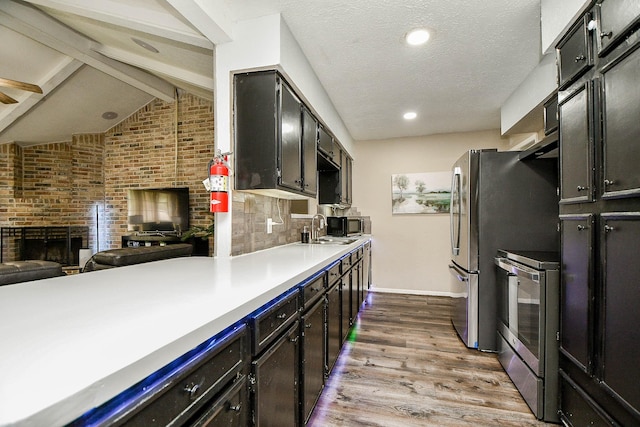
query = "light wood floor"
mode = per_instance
[{"x": 405, "y": 366}]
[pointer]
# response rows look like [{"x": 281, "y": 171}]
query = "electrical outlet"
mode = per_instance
[{"x": 269, "y": 226}]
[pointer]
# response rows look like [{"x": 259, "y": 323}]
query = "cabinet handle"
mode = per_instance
[
  {"x": 281, "y": 316},
  {"x": 604, "y": 34},
  {"x": 580, "y": 58},
  {"x": 581, "y": 188},
  {"x": 582, "y": 227},
  {"x": 608, "y": 229},
  {"x": 308, "y": 325},
  {"x": 609, "y": 182},
  {"x": 294, "y": 340},
  {"x": 193, "y": 389},
  {"x": 235, "y": 408}
]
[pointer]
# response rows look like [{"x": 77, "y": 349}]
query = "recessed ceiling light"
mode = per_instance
[
  {"x": 144, "y": 45},
  {"x": 410, "y": 115},
  {"x": 109, "y": 115},
  {"x": 417, "y": 37}
]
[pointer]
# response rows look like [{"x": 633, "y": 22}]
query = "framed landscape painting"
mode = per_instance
[{"x": 421, "y": 193}]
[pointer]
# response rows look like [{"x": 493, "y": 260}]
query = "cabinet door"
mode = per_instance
[
  {"x": 275, "y": 392},
  {"x": 576, "y": 146},
  {"x": 313, "y": 358},
  {"x": 621, "y": 127},
  {"x": 345, "y": 303},
  {"x": 574, "y": 53},
  {"x": 334, "y": 340},
  {"x": 345, "y": 178},
  {"x": 621, "y": 259},
  {"x": 615, "y": 19},
  {"x": 309, "y": 153},
  {"x": 353, "y": 288},
  {"x": 326, "y": 144},
  {"x": 290, "y": 143},
  {"x": 366, "y": 281},
  {"x": 576, "y": 288}
]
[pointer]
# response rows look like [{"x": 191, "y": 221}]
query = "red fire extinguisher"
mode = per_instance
[{"x": 219, "y": 183}]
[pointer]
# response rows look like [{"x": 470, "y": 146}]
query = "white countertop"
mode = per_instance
[{"x": 69, "y": 344}]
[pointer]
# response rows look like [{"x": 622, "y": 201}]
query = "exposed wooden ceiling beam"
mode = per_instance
[
  {"x": 55, "y": 77},
  {"x": 38, "y": 26},
  {"x": 210, "y": 17},
  {"x": 157, "y": 67},
  {"x": 130, "y": 15}
]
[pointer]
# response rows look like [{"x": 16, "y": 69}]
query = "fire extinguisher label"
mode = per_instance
[{"x": 219, "y": 183}]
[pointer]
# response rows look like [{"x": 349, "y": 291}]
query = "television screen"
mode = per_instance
[{"x": 163, "y": 210}]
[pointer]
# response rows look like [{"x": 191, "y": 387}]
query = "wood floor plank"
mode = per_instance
[{"x": 404, "y": 366}]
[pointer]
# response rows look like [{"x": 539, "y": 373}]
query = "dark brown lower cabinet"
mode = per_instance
[
  {"x": 230, "y": 409},
  {"x": 345, "y": 303},
  {"x": 620, "y": 234},
  {"x": 274, "y": 379},
  {"x": 206, "y": 383},
  {"x": 313, "y": 358},
  {"x": 334, "y": 339},
  {"x": 576, "y": 290},
  {"x": 579, "y": 409}
]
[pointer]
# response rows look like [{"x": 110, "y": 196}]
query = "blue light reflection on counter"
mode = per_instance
[{"x": 118, "y": 406}]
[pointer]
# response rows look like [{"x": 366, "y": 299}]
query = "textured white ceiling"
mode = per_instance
[{"x": 479, "y": 52}]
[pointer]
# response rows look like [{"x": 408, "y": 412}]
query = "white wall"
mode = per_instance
[
  {"x": 530, "y": 94},
  {"x": 410, "y": 252}
]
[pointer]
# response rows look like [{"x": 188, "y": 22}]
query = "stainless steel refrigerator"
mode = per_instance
[{"x": 497, "y": 202}]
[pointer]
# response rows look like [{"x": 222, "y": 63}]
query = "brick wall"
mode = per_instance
[
  {"x": 84, "y": 181},
  {"x": 141, "y": 153},
  {"x": 47, "y": 171}
]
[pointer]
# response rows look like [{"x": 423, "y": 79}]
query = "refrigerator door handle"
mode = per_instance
[
  {"x": 455, "y": 226},
  {"x": 460, "y": 275}
]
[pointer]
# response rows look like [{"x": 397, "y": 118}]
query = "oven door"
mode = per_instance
[{"x": 519, "y": 313}]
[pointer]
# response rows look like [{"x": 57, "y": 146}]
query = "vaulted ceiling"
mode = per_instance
[{"x": 99, "y": 61}]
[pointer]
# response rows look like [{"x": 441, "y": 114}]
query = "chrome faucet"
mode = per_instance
[{"x": 314, "y": 230}]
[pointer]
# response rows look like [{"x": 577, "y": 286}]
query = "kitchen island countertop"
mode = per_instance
[{"x": 71, "y": 343}]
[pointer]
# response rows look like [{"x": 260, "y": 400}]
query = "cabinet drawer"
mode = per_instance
[
  {"x": 616, "y": 18},
  {"x": 346, "y": 264},
  {"x": 312, "y": 290},
  {"x": 229, "y": 409},
  {"x": 574, "y": 54},
  {"x": 181, "y": 395},
  {"x": 270, "y": 322},
  {"x": 576, "y": 408},
  {"x": 333, "y": 273}
]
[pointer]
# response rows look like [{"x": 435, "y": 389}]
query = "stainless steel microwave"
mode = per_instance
[{"x": 342, "y": 226}]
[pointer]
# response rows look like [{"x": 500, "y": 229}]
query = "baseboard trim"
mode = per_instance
[{"x": 412, "y": 292}]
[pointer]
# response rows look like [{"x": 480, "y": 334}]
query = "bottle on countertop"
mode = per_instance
[{"x": 304, "y": 236}]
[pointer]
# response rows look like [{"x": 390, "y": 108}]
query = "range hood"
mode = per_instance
[{"x": 544, "y": 149}]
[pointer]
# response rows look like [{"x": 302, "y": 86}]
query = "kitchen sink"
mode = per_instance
[{"x": 330, "y": 241}]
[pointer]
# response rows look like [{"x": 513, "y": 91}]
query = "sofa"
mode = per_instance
[
  {"x": 24, "y": 271},
  {"x": 113, "y": 258}
]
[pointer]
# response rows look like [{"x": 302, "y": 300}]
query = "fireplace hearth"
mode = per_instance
[{"x": 51, "y": 243}]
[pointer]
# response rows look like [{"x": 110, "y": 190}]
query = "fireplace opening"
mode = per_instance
[{"x": 58, "y": 244}]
